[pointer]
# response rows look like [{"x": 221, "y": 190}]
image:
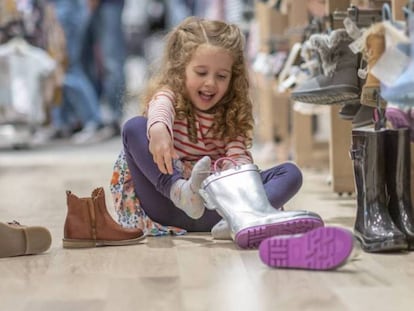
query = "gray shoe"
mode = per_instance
[{"x": 339, "y": 82}]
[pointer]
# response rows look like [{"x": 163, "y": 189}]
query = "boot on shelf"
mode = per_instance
[
  {"x": 18, "y": 240},
  {"x": 89, "y": 224},
  {"x": 238, "y": 195},
  {"x": 339, "y": 82},
  {"x": 398, "y": 171},
  {"x": 373, "y": 228},
  {"x": 374, "y": 47}
]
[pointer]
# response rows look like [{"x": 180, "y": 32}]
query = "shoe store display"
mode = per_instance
[
  {"x": 324, "y": 248},
  {"x": 19, "y": 240},
  {"x": 89, "y": 224}
]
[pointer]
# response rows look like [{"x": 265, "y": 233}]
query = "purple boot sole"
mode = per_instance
[
  {"x": 400, "y": 119},
  {"x": 324, "y": 248},
  {"x": 252, "y": 237}
]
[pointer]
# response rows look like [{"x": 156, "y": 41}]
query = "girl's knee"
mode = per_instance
[
  {"x": 133, "y": 127},
  {"x": 295, "y": 173}
]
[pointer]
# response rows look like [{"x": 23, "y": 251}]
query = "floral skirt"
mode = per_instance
[{"x": 127, "y": 205}]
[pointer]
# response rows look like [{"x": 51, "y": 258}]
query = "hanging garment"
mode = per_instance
[{"x": 24, "y": 70}]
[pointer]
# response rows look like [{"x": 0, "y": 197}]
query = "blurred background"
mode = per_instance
[{"x": 71, "y": 70}]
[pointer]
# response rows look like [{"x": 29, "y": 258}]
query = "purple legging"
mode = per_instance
[{"x": 152, "y": 187}]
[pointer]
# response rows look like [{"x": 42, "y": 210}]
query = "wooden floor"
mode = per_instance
[{"x": 192, "y": 272}]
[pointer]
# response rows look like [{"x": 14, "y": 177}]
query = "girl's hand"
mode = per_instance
[{"x": 162, "y": 148}]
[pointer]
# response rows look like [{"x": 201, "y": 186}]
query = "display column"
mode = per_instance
[
  {"x": 306, "y": 152},
  {"x": 272, "y": 109},
  {"x": 340, "y": 163}
]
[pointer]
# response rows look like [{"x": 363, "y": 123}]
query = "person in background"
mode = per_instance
[
  {"x": 80, "y": 109},
  {"x": 104, "y": 56}
]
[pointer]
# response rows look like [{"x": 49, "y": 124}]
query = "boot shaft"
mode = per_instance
[
  {"x": 367, "y": 155},
  {"x": 240, "y": 187},
  {"x": 398, "y": 162},
  {"x": 398, "y": 172},
  {"x": 369, "y": 172},
  {"x": 78, "y": 222},
  {"x": 334, "y": 51}
]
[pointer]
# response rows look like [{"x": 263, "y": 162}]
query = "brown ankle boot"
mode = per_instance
[
  {"x": 373, "y": 49},
  {"x": 17, "y": 240},
  {"x": 88, "y": 224}
]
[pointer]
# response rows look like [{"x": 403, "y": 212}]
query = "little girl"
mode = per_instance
[{"x": 198, "y": 110}]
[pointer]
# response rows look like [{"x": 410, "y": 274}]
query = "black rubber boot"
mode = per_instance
[
  {"x": 373, "y": 227},
  {"x": 398, "y": 171}
]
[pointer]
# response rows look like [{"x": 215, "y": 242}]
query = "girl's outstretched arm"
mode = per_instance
[{"x": 161, "y": 147}]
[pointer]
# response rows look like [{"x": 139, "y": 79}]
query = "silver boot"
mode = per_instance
[{"x": 239, "y": 196}]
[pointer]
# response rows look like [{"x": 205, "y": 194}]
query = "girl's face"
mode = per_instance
[{"x": 208, "y": 76}]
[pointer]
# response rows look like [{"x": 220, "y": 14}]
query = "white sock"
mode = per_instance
[
  {"x": 221, "y": 231},
  {"x": 184, "y": 193}
]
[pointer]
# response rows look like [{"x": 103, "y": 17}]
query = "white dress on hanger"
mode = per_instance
[{"x": 23, "y": 70}]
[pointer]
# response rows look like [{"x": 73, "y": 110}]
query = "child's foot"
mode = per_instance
[
  {"x": 221, "y": 231},
  {"x": 184, "y": 193}
]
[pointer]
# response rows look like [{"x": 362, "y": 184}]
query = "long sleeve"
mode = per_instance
[{"x": 161, "y": 109}]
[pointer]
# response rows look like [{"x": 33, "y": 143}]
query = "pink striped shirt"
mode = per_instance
[{"x": 161, "y": 109}]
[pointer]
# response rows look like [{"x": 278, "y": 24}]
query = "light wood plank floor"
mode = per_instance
[{"x": 192, "y": 272}]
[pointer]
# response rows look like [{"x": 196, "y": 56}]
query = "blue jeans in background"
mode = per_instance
[{"x": 80, "y": 101}]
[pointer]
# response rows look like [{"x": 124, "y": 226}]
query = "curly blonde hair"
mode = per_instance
[{"x": 233, "y": 114}]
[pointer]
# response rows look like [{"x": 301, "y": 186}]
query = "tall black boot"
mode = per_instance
[
  {"x": 398, "y": 170},
  {"x": 373, "y": 227}
]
